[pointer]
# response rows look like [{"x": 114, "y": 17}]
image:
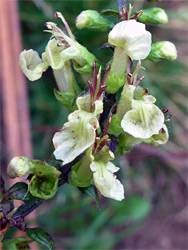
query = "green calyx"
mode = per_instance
[
  {"x": 44, "y": 183},
  {"x": 81, "y": 174}
]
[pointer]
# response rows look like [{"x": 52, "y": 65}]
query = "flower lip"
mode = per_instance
[{"x": 133, "y": 37}]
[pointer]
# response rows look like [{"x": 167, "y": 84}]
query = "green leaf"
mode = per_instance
[
  {"x": 19, "y": 191},
  {"x": 66, "y": 99},
  {"x": 18, "y": 243},
  {"x": 41, "y": 237},
  {"x": 92, "y": 192},
  {"x": 110, "y": 12}
]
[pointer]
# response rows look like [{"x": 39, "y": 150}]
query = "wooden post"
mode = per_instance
[{"x": 15, "y": 114}]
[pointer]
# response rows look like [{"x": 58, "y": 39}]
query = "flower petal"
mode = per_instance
[
  {"x": 143, "y": 121},
  {"x": 74, "y": 139},
  {"x": 32, "y": 65},
  {"x": 106, "y": 181},
  {"x": 133, "y": 37}
]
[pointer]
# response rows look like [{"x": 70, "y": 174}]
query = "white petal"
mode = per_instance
[
  {"x": 73, "y": 140},
  {"x": 106, "y": 181},
  {"x": 143, "y": 121},
  {"x": 32, "y": 65},
  {"x": 133, "y": 37}
]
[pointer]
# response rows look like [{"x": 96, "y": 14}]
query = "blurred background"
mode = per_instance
[{"x": 154, "y": 212}]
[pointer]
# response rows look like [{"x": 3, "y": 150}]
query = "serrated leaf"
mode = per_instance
[
  {"x": 18, "y": 191},
  {"x": 41, "y": 237},
  {"x": 92, "y": 192},
  {"x": 110, "y": 12}
]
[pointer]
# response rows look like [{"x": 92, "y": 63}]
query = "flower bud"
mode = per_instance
[
  {"x": 162, "y": 50},
  {"x": 153, "y": 15},
  {"x": 19, "y": 166},
  {"x": 92, "y": 20}
]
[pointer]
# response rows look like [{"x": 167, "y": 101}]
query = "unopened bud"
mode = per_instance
[
  {"x": 19, "y": 166},
  {"x": 162, "y": 50},
  {"x": 153, "y": 15},
  {"x": 92, "y": 20}
]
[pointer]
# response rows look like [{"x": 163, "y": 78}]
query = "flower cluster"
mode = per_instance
[{"x": 99, "y": 127}]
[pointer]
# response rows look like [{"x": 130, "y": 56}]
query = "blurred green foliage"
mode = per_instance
[{"x": 72, "y": 219}]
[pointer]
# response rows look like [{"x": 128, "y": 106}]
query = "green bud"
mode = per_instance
[
  {"x": 162, "y": 50},
  {"x": 92, "y": 20},
  {"x": 19, "y": 166},
  {"x": 153, "y": 15}
]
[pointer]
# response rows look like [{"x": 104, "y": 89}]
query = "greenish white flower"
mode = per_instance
[
  {"x": 158, "y": 139},
  {"x": 105, "y": 180},
  {"x": 78, "y": 134},
  {"x": 144, "y": 119},
  {"x": 32, "y": 65},
  {"x": 124, "y": 105},
  {"x": 130, "y": 39},
  {"x": 103, "y": 174},
  {"x": 82, "y": 59},
  {"x": 133, "y": 37}
]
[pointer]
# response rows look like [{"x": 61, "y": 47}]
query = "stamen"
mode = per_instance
[
  {"x": 168, "y": 118},
  {"x": 138, "y": 14},
  {"x": 107, "y": 126},
  {"x": 91, "y": 95},
  {"x": 135, "y": 73},
  {"x": 98, "y": 81},
  {"x": 105, "y": 75},
  {"x": 129, "y": 75},
  {"x": 101, "y": 90},
  {"x": 125, "y": 15},
  {"x": 59, "y": 15},
  {"x": 130, "y": 11},
  {"x": 94, "y": 76},
  {"x": 129, "y": 65},
  {"x": 139, "y": 81},
  {"x": 103, "y": 143},
  {"x": 165, "y": 111},
  {"x": 162, "y": 130}
]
